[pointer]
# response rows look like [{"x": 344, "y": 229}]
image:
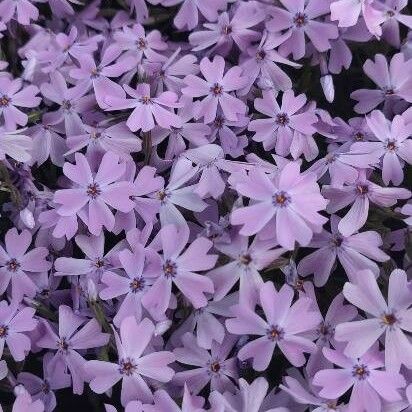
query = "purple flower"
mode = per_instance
[
  {"x": 93, "y": 193},
  {"x": 230, "y": 29},
  {"x": 214, "y": 367},
  {"x": 133, "y": 365},
  {"x": 299, "y": 20},
  {"x": 13, "y": 95},
  {"x": 14, "y": 321},
  {"x": 24, "y": 10},
  {"x": 392, "y": 319},
  {"x": 394, "y": 82},
  {"x": 147, "y": 109},
  {"x": 283, "y": 123},
  {"x": 355, "y": 252},
  {"x": 286, "y": 205},
  {"x": 284, "y": 325},
  {"x": 393, "y": 146},
  {"x": 216, "y": 88},
  {"x": 246, "y": 262},
  {"x": 43, "y": 389},
  {"x": 141, "y": 267},
  {"x": 188, "y": 14},
  {"x": 369, "y": 384},
  {"x": 178, "y": 268},
  {"x": 17, "y": 264},
  {"x": 360, "y": 194},
  {"x": 73, "y": 334}
]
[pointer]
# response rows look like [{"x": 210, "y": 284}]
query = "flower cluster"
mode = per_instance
[{"x": 206, "y": 205}]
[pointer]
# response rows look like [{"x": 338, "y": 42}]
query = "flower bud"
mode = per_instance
[{"x": 328, "y": 87}]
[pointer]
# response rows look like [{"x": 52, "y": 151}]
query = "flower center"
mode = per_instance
[
  {"x": 389, "y": 319},
  {"x": 275, "y": 333},
  {"x": 3, "y": 331},
  {"x": 260, "y": 55},
  {"x": 388, "y": 91},
  {"x": 127, "y": 367},
  {"x": 66, "y": 105},
  {"x": 300, "y": 19},
  {"x": 226, "y": 30},
  {"x": 95, "y": 72},
  {"x": 361, "y": 372},
  {"x": 62, "y": 345},
  {"x": 99, "y": 263},
  {"x": 390, "y": 13},
  {"x": 216, "y": 89},
  {"x": 141, "y": 43},
  {"x": 359, "y": 136},
  {"x": 93, "y": 190},
  {"x": 282, "y": 119},
  {"x": 12, "y": 265},
  {"x": 145, "y": 100},
  {"x": 391, "y": 146},
  {"x": 162, "y": 195},
  {"x": 219, "y": 122},
  {"x": 169, "y": 269},
  {"x": 137, "y": 284},
  {"x": 362, "y": 189},
  {"x": 215, "y": 367},
  {"x": 95, "y": 135},
  {"x": 326, "y": 331},
  {"x": 281, "y": 199},
  {"x": 337, "y": 240},
  {"x": 245, "y": 259},
  {"x": 45, "y": 388},
  {"x": 4, "y": 100}
]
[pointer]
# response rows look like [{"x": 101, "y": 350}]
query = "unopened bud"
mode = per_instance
[
  {"x": 27, "y": 218},
  {"x": 328, "y": 87}
]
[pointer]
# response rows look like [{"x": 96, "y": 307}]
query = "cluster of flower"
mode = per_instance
[{"x": 185, "y": 229}]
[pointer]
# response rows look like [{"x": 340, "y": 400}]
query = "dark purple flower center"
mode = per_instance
[
  {"x": 215, "y": 366},
  {"x": 45, "y": 387},
  {"x": 326, "y": 331},
  {"x": 275, "y": 333},
  {"x": 141, "y": 43},
  {"x": 127, "y": 367},
  {"x": 281, "y": 199},
  {"x": 360, "y": 372},
  {"x": 391, "y": 145},
  {"x": 93, "y": 190},
  {"x": 390, "y": 13},
  {"x": 62, "y": 345},
  {"x": 389, "y": 319},
  {"x": 260, "y": 55},
  {"x": 300, "y": 19},
  {"x": 245, "y": 259},
  {"x": 95, "y": 72},
  {"x": 12, "y": 265},
  {"x": 66, "y": 104},
  {"x": 337, "y": 240},
  {"x": 3, "y": 331},
  {"x": 388, "y": 91},
  {"x": 170, "y": 269},
  {"x": 216, "y": 89},
  {"x": 219, "y": 122},
  {"x": 162, "y": 195},
  {"x": 145, "y": 100},
  {"x": 226, "y": 30},
  {"x": 137, "y": 284},
  {"x": 359, "y": 136},
  {"x": 99, "y": 263},
  {"x": 282, "y": 119},
  {"x": 95, "y": 135},
  {"x": 362, "y": 189},
  {"x": 4, "y": 100}
]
